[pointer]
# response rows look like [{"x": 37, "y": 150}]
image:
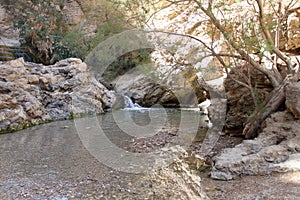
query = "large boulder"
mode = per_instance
[
  {"x": 240, "y": 101},
  {"x": 33, "y": 93},
  {"x": 180, "y": 90},
  {"x": 276, "y": 149},
  {"x": 293, "y": 99},
  {"x": 145, "y": 91}
]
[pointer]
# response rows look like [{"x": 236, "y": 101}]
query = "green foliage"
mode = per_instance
[
  {"x": 126, "y": 62},
  {"x": 106, "y": 30},
  {"x": 259, "y": 98},
  {"x": 75, "y": 44},
  {"x": 60, "y": 50},
  {"x": 40, "y": 25},
  {"x": 135, "y": 11},
  {"x": 45, "y": 32}
]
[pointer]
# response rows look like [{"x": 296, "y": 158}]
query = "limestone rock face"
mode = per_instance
[
  {"x": 145, "y": 91},
  {"x": 291, "y": 36},
  {"x": 2, "y": 14},
  {"x": 240, "y": 102},
  {"x": 32, "y": 93},
  {"x": 293, "y": 99},
  {"x": 9, "y": 36},
  {"x": 180, "y": 91},
  {"x": 73, "y": 11},
  {"x": 276, "y": 149}
]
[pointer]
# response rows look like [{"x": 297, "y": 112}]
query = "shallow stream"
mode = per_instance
[{"x": 58, "y": 161}]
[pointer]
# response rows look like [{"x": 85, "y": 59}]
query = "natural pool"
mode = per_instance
[{"x": 56, "y": 161}]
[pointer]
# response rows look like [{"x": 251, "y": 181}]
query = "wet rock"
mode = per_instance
[
  {"x": 179, "y": 90},
  {"x": 293, "y": 99},
  {"x": 33, "y": 93},
  {"x": 272, "y": 151},
  {"x": 145, "y": 91}
]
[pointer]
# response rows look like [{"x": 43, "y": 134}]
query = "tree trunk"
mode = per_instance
[{"x": 272, "y": 103}]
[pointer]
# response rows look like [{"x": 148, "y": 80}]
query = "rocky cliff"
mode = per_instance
[
  {"x": 73, "y": 11},
  {"x": 32, "y": 93},
  {"x": 290, "y": 36},
  {"x": 182, "y": 90},
  {"x": 8, "y": 35}
]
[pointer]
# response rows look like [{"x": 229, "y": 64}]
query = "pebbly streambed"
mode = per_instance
[{"x": 51, "y": 161}]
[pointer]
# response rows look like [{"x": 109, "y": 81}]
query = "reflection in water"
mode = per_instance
[
  {"x": 122, "y": 125},
  {"x": 107, "y": 137},
  {"x": 60, "y": 139}
]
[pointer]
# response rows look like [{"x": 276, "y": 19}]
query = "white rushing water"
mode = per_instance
[{"x": 130, "y": 105}]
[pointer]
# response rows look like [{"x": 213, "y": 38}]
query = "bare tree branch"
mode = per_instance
[
  {"x": 274, "y": 79},
  {"x": 269, "y": 38}
]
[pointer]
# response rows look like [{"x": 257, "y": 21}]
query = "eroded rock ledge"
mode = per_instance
[
  {"x": 149, "y": 91},
  {"x": 276, "y": 149},
  {"x": 33, "y": 93},
  {"x": 144, "y": 91}
]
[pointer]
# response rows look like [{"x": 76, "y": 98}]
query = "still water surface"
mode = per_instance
[{"x": 51, "y": 161}]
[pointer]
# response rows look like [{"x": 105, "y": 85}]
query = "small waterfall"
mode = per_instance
[
  {"x": 128, "y": 102},
  {"x": 124, "y": 102}
]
